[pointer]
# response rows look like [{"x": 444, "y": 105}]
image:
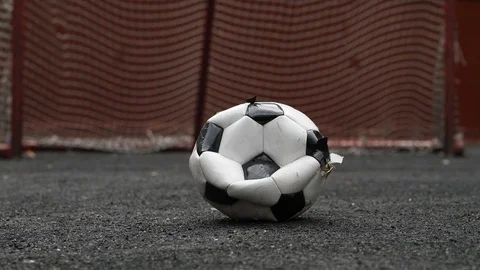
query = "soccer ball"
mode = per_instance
[{"x": 261, "y": 161}]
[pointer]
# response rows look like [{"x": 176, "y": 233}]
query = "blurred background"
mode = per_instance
[{"x": 143, "y": 76}]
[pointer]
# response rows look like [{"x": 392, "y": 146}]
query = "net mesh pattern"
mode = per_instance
[
  {"x": 359, "y": 69},
  {"x": 5, "y": 70},
  {"x": 123, "y": 75},
  {"x": 113, "y": 74}
]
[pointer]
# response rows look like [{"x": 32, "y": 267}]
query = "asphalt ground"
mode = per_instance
[{"x": 79, "y": 210}]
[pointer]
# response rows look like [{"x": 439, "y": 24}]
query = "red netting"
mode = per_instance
[
  {"x": 112, "y": 74},
  {"x": 359, "y": 69},
  {"x": 123, "y": 75},
  {"x": 5, "y": 72}
]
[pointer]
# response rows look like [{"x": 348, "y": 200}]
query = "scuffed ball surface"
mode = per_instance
[{"x": 258, "y": 160}]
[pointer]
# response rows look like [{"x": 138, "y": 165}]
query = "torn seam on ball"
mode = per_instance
[
  {"x": 322, "y": 153},
  {"x": 326, "y": 166},
  {"x": 328, "y": 169}
]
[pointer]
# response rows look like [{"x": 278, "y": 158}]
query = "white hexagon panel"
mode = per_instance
[
  {"x": 242, "y": 140},
  {"x": 296, "y": 175},
  {"x": 313, "y": 189},
  {"x": 229, "y": 116},
  {"x": 299, "y": 117},
  {"x": 219, "y": 170},
  {"x": 259, "y": 191},
  {"x": 284, "y": 141},
  {"x": 196, "y": 169}
]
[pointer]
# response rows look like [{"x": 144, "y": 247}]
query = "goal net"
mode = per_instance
[
  {"x": 369, "y": 73},
  {"x": 112, "y": 75},
  {"x": 124, "y": 75},
  {"x": 5, "y": 73}
]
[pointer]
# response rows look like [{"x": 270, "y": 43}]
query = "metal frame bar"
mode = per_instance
[
  {"x": 202, "y": 88},
  {"x": 449, "y": 92},
  {"x": 18, "y": 50}
]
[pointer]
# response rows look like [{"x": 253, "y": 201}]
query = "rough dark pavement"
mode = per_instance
[{"x": 101, "y": 211}]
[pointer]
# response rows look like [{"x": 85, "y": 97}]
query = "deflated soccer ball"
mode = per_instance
[{"x": 261, "y": 161}]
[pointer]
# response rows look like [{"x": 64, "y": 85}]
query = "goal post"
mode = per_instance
[
  {"x": 5, "y": 78},
  {"x": 450, "y": 91},
  {"x": 17, "y": 64},
  {"x": 143, "y": 76}
]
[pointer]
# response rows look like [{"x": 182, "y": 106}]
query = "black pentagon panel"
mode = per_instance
[
  {"x": 263, "y": 113},
  {"x": 312, "y": 138},
  {"x": 218, "y": 195},
  {"x": 318, "y": 155},
  {"x": 317, "y": 146},
  {"x": 209, "y": 138},
  {"x": 251, "y": 99},
  {"x": 259, "y": 167},
  {"x": 288, "y": 206}
]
